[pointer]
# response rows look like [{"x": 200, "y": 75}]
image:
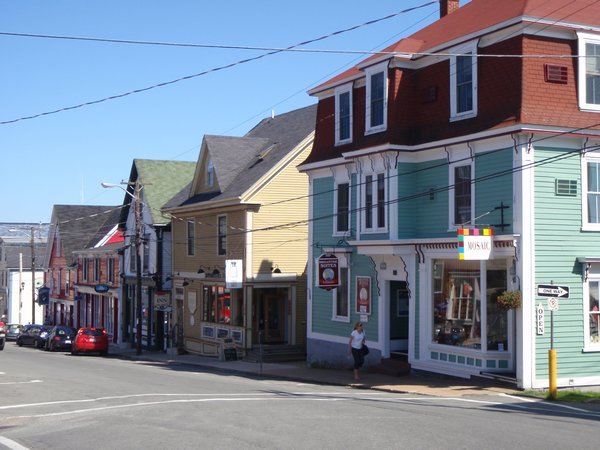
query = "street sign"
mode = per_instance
[
  {"x": 550, "y": 290},
  {"x": 553, "y": 304}
]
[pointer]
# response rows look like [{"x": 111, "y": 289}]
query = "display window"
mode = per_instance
[
  {"x": 218, "y": 306},
  {"x": 464, "y": 304}
]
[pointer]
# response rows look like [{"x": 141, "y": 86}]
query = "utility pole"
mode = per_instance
[
  {"x": 138, "y": 264},
  {"x": 32, "y": 276}
]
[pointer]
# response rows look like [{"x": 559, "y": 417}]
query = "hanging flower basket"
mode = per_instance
[{"x": 509, "y": 300}]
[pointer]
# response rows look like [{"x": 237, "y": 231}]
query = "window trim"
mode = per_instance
[
  {"x": 375, "y": 228},
  {"x": 462, "y": 51},
  {"x": 190, "y": 237},
  {"x": 588, "y": 346},
  {"x": 452, "y": 224},
  {"x": 210, "y": 173},
  {"x": 336, "y": 209},
  {"x": 582, "y": 40},
  {"x": 370, "y": 72},
  {"x": 222, "y": 235},
  {"x": 335, "y": 316},
  {"x": 585, "y": 159},
  {"x": 339, "y": 91}
]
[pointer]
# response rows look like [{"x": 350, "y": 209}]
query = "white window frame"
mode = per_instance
[
  {"x": 336, "y": 209},
  {"x": 339, "y": 91},
  {"x": 583, "y": 39},
  {"x": 585, "y": 159},
  {"x": 336, "y": 316},
  {"x": 190, "y": 237},
  {"x": 594, "y": 277},
  {"x": 375, "y": 228},
  {"x": 221, "y": 235},
  {"x": 470, "y": 48},
  {"x": 370, "y": 72},
  {"x": 453, "y": 225},
  {"x": 210, "y": 173}
]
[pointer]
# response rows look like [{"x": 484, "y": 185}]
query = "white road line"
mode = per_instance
[
  {"x": 11, "y": 444},
  {"x": 22, "y": 382},
  {"x": 121, "y": 397}
]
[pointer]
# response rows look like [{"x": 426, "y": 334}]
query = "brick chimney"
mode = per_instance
[{"x": 448, "y": 7}]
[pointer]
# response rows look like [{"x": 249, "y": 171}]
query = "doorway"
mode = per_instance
[
  {"x": 398, "y": 315},
  {"x": 268, "y": 315}
]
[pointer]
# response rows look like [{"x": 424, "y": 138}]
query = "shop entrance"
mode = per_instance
[
  {"x": 268, "y": 315},
  {"x": 398, "y": 316}
]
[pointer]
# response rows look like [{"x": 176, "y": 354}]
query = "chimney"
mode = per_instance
[{"x": 448, "y": 7}]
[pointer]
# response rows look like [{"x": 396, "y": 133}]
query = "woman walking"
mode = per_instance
[{"x": 357, "y": 339}]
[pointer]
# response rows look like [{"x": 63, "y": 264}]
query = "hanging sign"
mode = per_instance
[
  {"x": 328, "y": 271},
  {"x": 233, "y": 273},
  {"x": 475, "y": 244},
  {"x": 162, "y": 301}
]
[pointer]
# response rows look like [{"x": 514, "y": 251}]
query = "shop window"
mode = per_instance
[
  {"x": 458, "y": 290},
  {"x": 592, "y": 310},
  {"x": 218, "y": 306}
]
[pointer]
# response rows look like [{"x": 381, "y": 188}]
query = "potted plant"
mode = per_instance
[{"x": 509, "y": 300}]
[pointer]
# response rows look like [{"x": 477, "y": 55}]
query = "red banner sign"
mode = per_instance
[{"x": 328, "y": 272}]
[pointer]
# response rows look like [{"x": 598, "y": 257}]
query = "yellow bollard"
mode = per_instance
[{"x": 552, "y": 372}]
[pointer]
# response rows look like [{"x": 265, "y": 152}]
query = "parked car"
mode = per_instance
[
  {"x": 60, "y": 337},
  {"x": 90, "y": 340},
  {"x": 41, "y": 342},
  {"x": 32, "y": 335},
  {"x": 2, "y": 334},
  {"x": 12, "y": 331}
]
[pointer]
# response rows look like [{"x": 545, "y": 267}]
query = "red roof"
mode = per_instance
[{"x": 479, "y": 15}]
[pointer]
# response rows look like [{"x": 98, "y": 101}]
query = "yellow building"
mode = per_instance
[{"x": 240, "y": 236}]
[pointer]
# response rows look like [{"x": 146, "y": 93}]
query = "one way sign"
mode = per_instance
[{"x": 550, "y": 290}]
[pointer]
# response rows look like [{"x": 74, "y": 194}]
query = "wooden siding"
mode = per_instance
[
  {"x": 206, "y": 240},
  {"x": 559, "y": 241},
  {"x": 493, "y": 186},
  {"x": 431, "y": 215},
  {"x": 284, "y": 200}
]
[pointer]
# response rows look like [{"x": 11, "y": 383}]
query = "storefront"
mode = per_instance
[{"x": 261, "y": 312}]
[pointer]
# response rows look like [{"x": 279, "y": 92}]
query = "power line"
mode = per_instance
[{"x": 215, "y": 69}]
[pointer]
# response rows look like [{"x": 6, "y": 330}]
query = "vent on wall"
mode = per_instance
[
  {"x": 556, "y": 74},
  {"x": 566, "y": 187}
]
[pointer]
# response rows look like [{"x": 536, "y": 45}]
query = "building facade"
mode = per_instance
[
  {"x": 239, "y": 268},
  {"x": 459, "y": 164}
]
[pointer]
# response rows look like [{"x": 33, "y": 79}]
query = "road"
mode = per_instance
[{"x": 59, "y": 401}]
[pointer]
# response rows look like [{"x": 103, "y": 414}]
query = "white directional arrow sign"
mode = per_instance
[{"x": 550, "y": 290}]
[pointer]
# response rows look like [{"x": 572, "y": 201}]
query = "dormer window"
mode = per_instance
[
  {"x": 210, "y": 174},
  {"x": 463, "y": 83},
  {"x": 343, "y": 115},
  {"x": 376, "y": 113}
]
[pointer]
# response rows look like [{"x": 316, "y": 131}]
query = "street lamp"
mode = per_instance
[{"x": 136, "y": 196}]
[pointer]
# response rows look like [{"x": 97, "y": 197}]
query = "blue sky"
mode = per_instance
[{"x": 62, "y": 158}]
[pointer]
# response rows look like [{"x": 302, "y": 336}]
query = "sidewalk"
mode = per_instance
[{"x": 415, "y": 383}]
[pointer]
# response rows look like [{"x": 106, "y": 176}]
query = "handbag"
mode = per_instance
[{"x": 364, "y": 350}]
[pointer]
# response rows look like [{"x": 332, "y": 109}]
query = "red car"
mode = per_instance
[{"x": 90, "y": 340}]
